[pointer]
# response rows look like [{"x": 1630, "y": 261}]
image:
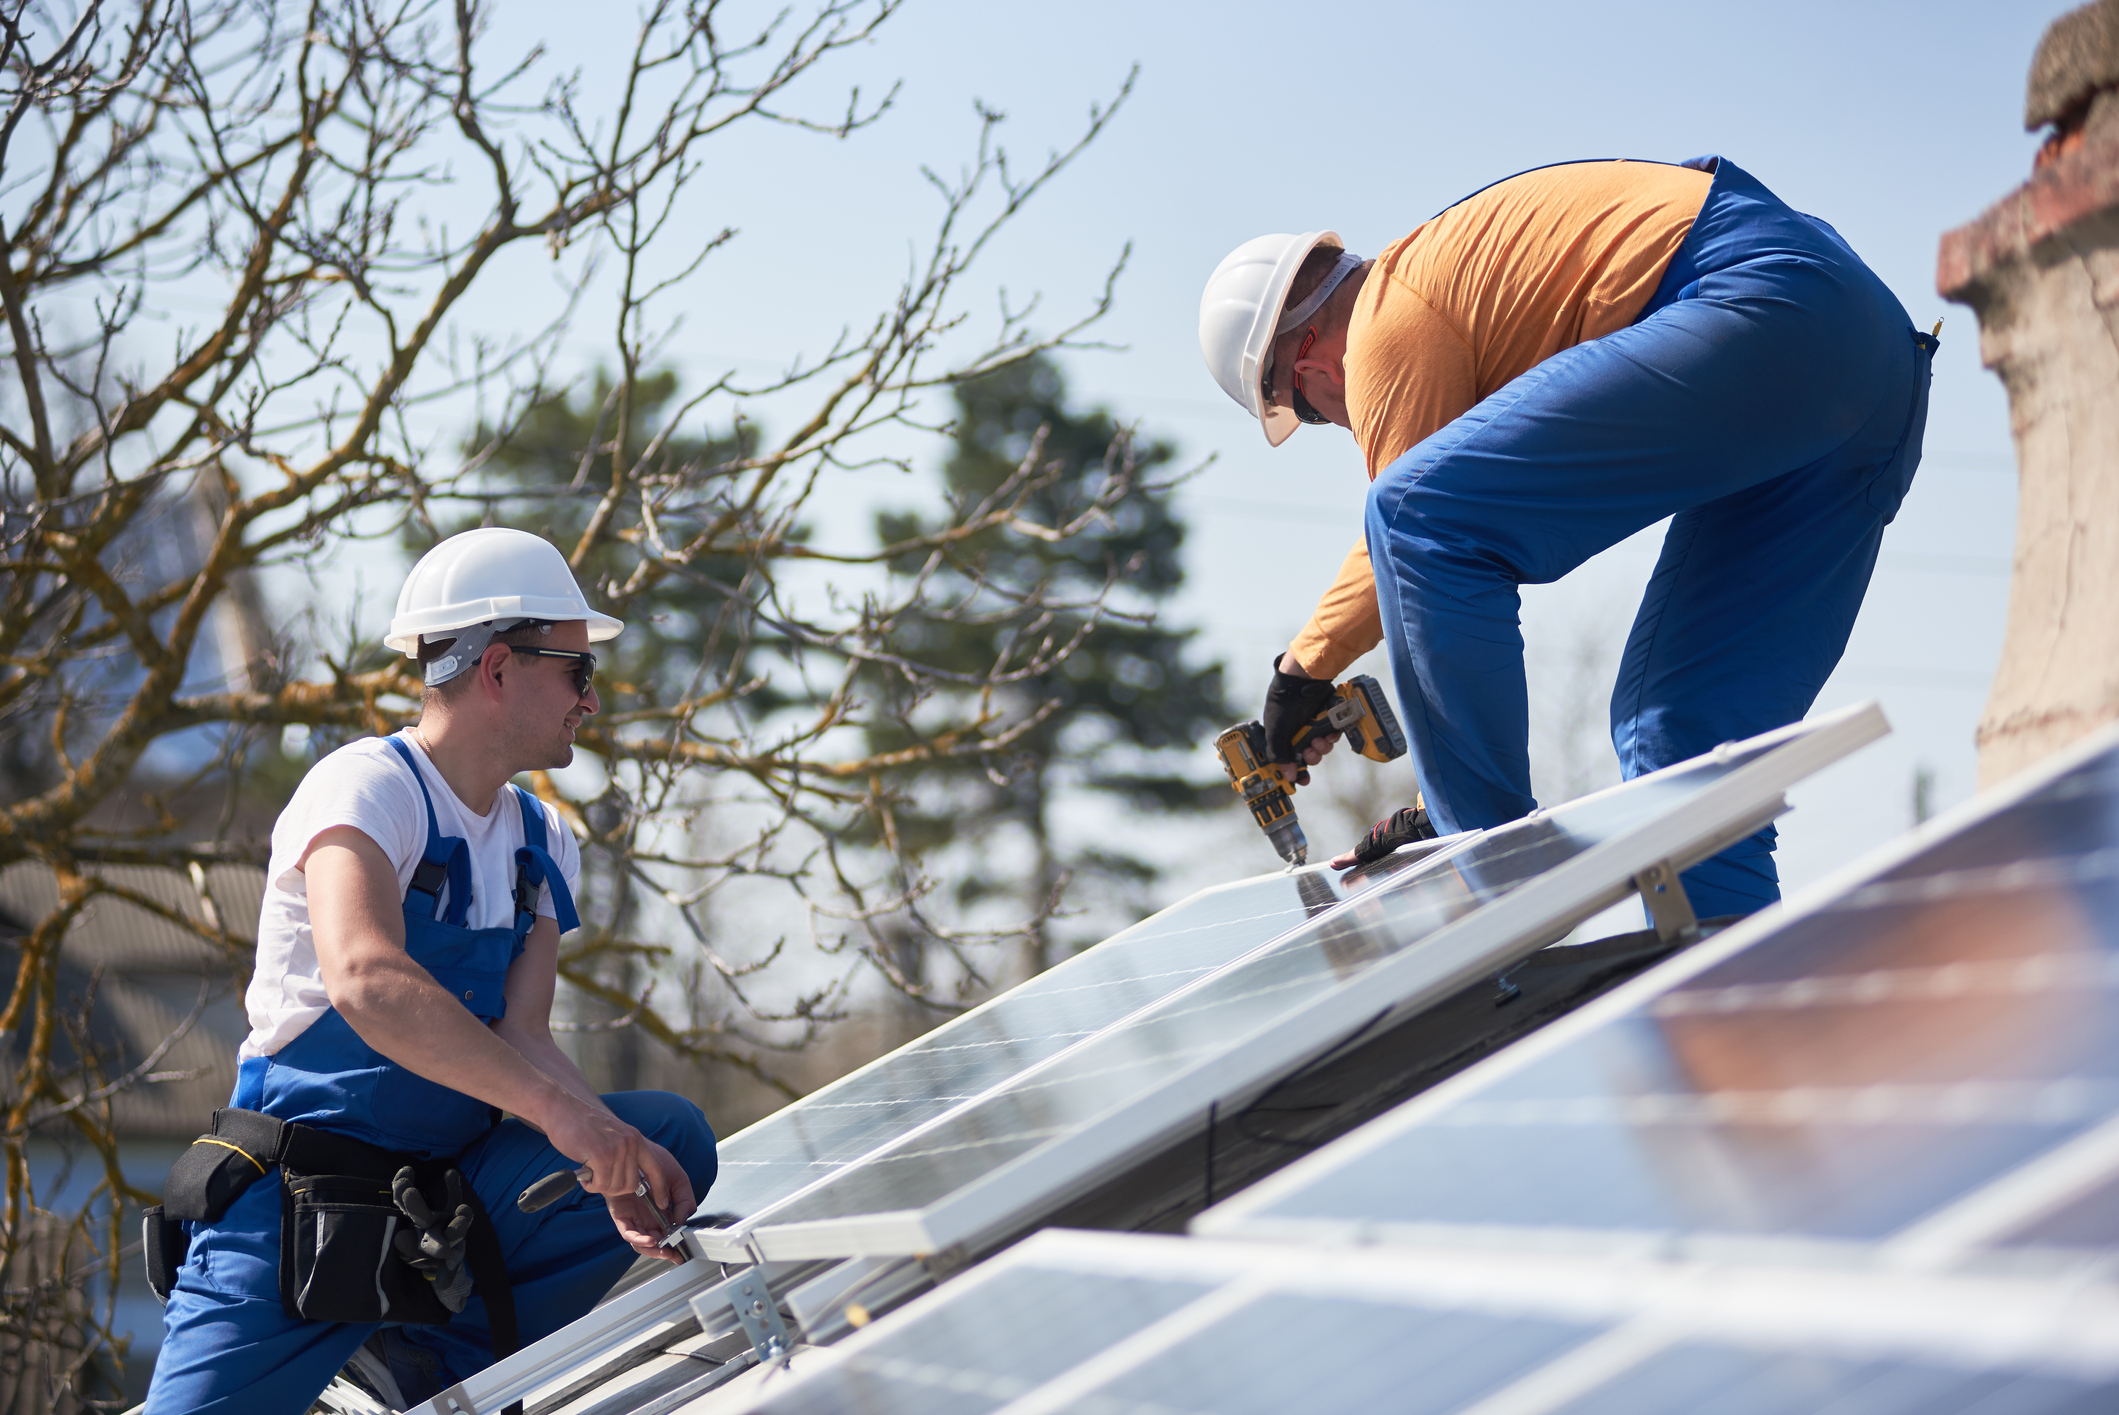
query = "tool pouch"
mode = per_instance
[
  {"x": 163, "y": 1242},
  {"x": 337, "y": 1259},
  {"x": 220, "y": 1165},
  {"x": 337, "y": 1223}
]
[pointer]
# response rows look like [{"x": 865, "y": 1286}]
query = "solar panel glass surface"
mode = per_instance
[
  {"x": 1927, "y": 1056},
  {"x": 1209, "y": 1032},
  {"x": 1408, "y": 1359},
  {"x": 1106, "y": 1324},
  {"x": 956, "y": 1062},
  {"x": 1017, "y": 1331},
  {"x": 1699, "y": 1378}
]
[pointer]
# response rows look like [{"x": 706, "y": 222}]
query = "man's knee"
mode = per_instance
[{"x": 674, "y": 1123}]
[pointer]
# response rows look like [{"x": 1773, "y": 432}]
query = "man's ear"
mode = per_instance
[
  {"x": 1327, "y": 370},
  {"x": 490, "y": 666}
]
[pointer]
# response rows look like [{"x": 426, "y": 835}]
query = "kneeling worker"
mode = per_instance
[
  {"x": 356, "y": 1202},
  {"x": 1554, "y": 363}
]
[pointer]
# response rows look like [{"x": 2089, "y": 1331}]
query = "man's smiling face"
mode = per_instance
[{"x": 543, "y": 708}]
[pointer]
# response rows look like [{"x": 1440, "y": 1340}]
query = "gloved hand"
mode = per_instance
[
  {"x": 435, "y": 1242},
  {"x": 1291, "y": 702},
  {"x": 1404, "y": 826}
]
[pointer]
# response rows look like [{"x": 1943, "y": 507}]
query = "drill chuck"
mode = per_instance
[{"x": 1287, "y": 837}]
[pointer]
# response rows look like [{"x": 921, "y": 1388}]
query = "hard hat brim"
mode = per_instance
[{"x": 406, "y": 629}]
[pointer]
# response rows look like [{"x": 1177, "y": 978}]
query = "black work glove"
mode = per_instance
[
  {"x": 1291, "y": 704},
  {"x": 1403, "y": 827},
  {"x": 435, "y": 1242}
]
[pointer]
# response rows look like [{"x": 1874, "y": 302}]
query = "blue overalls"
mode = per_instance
[
  {"x": 1771, "y": 398},
  {"x": 231, "y": 1346}
]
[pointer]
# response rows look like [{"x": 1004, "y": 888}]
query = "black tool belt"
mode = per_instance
[{"x": 338, "y": 1220}]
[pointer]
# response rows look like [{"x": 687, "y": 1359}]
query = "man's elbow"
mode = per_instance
[{"x": 365, "y": 990}]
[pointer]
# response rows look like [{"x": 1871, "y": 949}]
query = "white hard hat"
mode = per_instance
[
  {"x": 488, "y": 574},
  {"x": 1239, "y": 317}
]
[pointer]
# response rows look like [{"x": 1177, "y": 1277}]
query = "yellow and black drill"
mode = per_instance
[{"x": 1357, "y": 709}]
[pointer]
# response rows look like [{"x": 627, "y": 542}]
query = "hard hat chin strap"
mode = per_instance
[
  {"x": 471, "y": 643},
  {"x": 1346, "y": 265}
]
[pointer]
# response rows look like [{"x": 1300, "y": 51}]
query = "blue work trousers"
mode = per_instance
[
  {"x": 1770, "y": 398},
  {"x": 231, "y": 1347}
]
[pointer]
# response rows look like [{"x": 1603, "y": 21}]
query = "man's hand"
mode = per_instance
[
  {"x": 618, "y": 1158},
  {"x": 1402, "y": 827},
  {"x": 637, "y": 1224},
  {"x": 1293, "y": 701}
]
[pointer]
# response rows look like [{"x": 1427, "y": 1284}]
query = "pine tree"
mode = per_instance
[{"x": 1130, "y": 716}]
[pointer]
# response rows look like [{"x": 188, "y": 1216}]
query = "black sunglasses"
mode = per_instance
[{"x": 584, "y": 663}]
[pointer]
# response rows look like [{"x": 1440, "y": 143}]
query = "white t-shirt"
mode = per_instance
[{"x": 364, "y": 784}]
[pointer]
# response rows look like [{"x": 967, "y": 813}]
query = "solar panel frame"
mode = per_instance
[
  {"x": 649, "y": 1317},
  {"x": 1627, "y": 1315},
  {"x": 1490, "y": 937},
  {"x": 1942, "y": 1239}
]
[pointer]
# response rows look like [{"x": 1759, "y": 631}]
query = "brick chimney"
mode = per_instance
[{"x": 2041, "y": 268}]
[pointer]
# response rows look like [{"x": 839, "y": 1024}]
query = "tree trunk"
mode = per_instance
[
  {"x": 1037, "y": 941},
  {"x": 2041, "y": 267}
]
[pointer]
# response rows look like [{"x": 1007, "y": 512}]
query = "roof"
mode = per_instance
[
  {"x": 149, "y": 979},
  {"x": 1321, "y": 1067}
]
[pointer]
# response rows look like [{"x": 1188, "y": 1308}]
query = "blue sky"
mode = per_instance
[{"x": 1894, "y": 121}]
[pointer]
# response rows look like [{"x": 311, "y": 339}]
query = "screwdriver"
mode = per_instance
[{"x": 558, "y": 1184}]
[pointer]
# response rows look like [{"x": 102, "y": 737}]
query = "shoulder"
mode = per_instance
[
  {"x": 366, "y": 766},
  {"x": 364, "y": 784}
]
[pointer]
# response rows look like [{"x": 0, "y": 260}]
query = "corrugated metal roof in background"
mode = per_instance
[
  {"x": 116, "y": 932},
  {"x": 145, "y": 974}
]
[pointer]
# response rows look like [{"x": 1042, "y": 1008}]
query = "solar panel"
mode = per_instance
[
  {"x": 1111, "y": 1324},
  {"x": 996, "y": 1162},
  {"x": 1917, "y": 1065},
  {"x": 946, "y": 1067},
  {"x": 960, "y": 1060}
]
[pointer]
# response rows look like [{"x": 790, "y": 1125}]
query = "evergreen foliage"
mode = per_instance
[{"x": 1129, "y": 716}]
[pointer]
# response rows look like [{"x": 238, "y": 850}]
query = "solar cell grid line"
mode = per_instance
[
  {"x": 1060, "y": 1126},
  {"x": 767, "y": 1162},
  {"x": 1269, "y": 1328},
  {"x": 1916, "y": 1063}
]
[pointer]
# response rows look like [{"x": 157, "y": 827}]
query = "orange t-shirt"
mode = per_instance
[{"x": 1490, "y": 288}]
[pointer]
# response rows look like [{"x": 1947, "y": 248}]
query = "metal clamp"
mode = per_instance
[
  {"x": 760, "y": 1316},
  {"x": 455, "y": 1401},
  {"x": 1668, "y": 907}
]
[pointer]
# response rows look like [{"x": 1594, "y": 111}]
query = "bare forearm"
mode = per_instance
[{"x": 544, "y": 1054}]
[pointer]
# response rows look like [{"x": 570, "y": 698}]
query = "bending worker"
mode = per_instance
[
  {"x": 356, "y": 1201},
  {"x": 1543, "y": 369}
]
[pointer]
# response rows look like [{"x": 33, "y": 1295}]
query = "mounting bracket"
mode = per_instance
[
  {"x": 1668, "y": 907},
  {"x": 760, "y": 1316}
]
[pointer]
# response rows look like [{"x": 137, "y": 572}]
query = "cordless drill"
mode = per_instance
[{"x": 1357, "y": 709}]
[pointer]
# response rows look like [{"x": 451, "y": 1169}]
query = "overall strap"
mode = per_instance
[
  {"x": 439, "y": 864},
  {"x": 535, "y": 867}
]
